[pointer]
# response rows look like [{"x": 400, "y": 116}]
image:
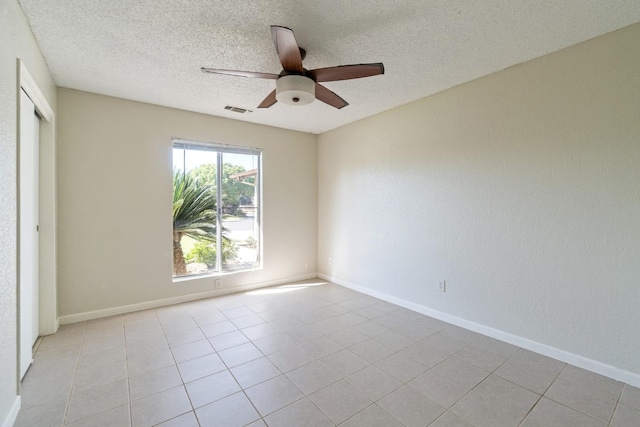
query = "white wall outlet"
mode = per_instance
[
  {"x": 330, "y": 260},
  {"x": 442, "y": 286},
  {"x": 218, "y": 284}
]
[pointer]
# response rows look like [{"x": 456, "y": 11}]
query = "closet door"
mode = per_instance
[{"x": 28, "y": 233}]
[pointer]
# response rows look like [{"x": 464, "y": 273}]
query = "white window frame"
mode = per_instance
[{"x": 221, "y": 149}]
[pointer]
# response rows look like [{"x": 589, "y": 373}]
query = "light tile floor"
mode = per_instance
[{"x": 307, "y": 354}]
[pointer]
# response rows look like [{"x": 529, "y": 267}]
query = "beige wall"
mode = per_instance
[
  {"x": 16, "y": 41},
  {"x": 520, "y": 189},
  {"x": 114, "y": 196}
]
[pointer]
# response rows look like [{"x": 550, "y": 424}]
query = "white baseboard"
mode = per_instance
[
  {"x": 113, "y": 311},
  {"x": 555, "y": 353},
  {"x": 11, "y": 417}
]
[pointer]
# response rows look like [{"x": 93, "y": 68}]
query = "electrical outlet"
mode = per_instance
[
  {"x": 442, "y": 286},
  {"x": 218, "y": 284},
  {"x": 330, "y": 260}
]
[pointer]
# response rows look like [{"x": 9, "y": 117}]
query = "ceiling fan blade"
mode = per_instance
[
  {"x": 346, "y": 72},
  {"x": 251, "y": 74},
  {"x": 325, "y": 95},
  {"x": 287, "y": 49},
  {"x": 268, "y": 101}
]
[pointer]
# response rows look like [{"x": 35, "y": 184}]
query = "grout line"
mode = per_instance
[
  {"x": 613, "y": 414},
  {"x": 530, "y": 410},
  {"x": 75, "y": 376}
]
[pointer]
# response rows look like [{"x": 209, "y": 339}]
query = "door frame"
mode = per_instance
[{"x": 48, "y": 313}]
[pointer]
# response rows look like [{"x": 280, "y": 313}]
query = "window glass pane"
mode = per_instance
[
  {"x": 195, "y": 202},
  {"x": 239, "y": 211}
]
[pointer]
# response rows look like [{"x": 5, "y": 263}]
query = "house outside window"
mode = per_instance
[{"x": 216, "y": 208}]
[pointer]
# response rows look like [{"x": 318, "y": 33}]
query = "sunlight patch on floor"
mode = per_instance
[{"x": 285, "y": 288}]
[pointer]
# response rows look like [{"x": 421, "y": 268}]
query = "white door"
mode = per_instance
[{"x": 29, "y": 208}]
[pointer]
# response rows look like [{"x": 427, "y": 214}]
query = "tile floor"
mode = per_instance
[{"x": 308, "y": 354}]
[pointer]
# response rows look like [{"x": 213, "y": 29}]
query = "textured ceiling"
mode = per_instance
[{"x": 152, "y": 50}]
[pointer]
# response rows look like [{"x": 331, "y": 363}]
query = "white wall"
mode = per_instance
[
  {"x": 16, "y": 41},
  {"x": 521, "y": 189},
  {"x": 114, "y": 202}
]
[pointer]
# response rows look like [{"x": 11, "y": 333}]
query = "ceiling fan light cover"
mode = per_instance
[{"x": 295, "y": 90}]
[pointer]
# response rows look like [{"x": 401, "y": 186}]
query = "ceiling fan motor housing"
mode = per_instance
[{"x": 295, "y": 90}]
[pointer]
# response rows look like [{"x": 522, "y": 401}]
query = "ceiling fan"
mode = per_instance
[{"x": 296, "y": 85}]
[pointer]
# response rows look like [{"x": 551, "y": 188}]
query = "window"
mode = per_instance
[{"x": 216, "y": 208}]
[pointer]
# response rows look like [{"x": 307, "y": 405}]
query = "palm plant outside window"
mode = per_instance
[{"x": 216, "y": 208}]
